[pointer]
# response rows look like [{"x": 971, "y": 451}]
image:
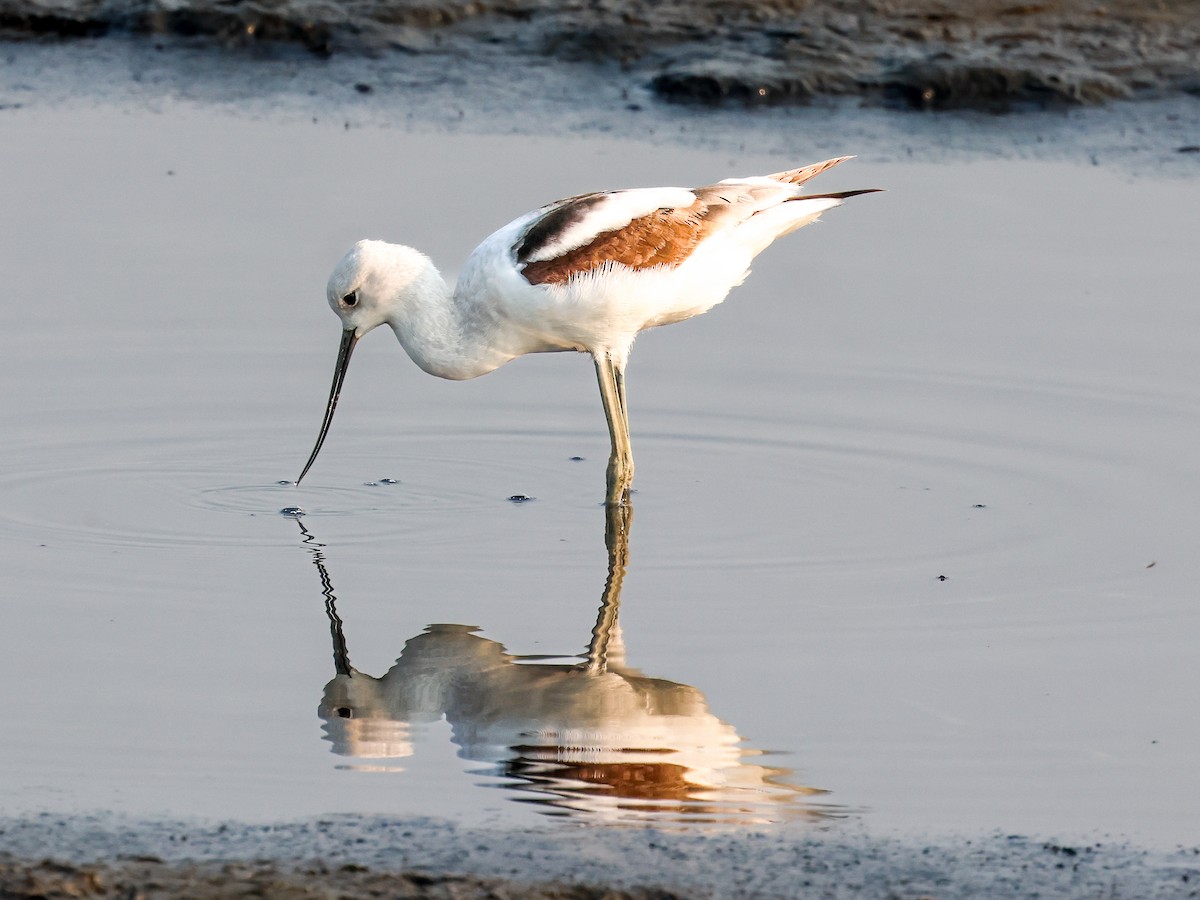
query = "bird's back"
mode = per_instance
[{"x": 591, "y": 271}]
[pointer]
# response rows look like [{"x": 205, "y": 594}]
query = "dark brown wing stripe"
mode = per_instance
[
  {"x": 665, "y": 237},
  {"x": 547, "y": 229}
]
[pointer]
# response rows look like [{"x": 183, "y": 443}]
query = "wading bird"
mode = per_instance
[{"x": 587, "y": 273}]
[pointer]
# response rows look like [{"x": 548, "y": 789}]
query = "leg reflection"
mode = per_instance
[{"x": 618, "y": 520}]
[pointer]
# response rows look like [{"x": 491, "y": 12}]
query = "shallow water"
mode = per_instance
[{"x": 915, "y": 508}]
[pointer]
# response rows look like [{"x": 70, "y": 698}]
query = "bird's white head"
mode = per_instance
[
  {"x": 372, "y": 281},
  {"x": 370, "y": 286}
]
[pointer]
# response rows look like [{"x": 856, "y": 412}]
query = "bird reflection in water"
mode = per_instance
[{"x": 595, "y": 738}]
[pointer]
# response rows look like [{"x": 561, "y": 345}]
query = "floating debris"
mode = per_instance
[
  {"x": 292, "y": 512},
  {"x": 519, "y": 498}
]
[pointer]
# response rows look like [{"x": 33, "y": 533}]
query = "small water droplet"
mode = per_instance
[
  {"x": 293, "y": 512},
  {"x": 519, "y": 498},
  {"x": 388, "y": 481}
]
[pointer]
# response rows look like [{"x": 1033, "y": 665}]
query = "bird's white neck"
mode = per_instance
[{"x": 444, "y": 336}]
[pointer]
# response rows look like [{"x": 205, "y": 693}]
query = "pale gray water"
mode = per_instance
[{"x": 988, "y": 373}]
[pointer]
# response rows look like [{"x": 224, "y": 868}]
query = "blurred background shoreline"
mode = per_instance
[{"x": 992, "y": 55}]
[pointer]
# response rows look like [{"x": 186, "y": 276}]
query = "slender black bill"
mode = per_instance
[{"x": 349, "y": 339}]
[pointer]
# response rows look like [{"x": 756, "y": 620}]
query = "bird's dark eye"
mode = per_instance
[{"x": 351, "y": 299}]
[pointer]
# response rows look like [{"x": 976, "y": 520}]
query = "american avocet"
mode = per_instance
[{"x": 586, "y": 273}]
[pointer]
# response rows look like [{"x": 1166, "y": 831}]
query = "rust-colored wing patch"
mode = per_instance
[{"x": 665, "y": 237}]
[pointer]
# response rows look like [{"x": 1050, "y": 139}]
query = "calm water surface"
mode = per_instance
[{"x": 915, "y": 524}]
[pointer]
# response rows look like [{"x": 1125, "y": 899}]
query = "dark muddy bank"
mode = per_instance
[
  {"x": 148, "y": 878},
  {"x": 980, "y": 54},
  {"x": 351, "y": 857}
]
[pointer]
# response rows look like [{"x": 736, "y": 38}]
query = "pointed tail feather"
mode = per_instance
[
  {"x": 839, "y": 195},
  {"x": 803, "y": 174}
]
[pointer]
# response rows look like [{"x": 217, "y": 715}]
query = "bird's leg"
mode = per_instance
[
  {"x": 620, "y": 460},
  {"x": 627, "y": 449},
  {"x": 605, "y": 377},
  {"x": 619, "y": 378}
]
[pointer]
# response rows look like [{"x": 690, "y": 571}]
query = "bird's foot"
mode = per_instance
[
  {"x": 618, "y": 492},
  {"x": 618, "y": 500},
  {"x": 619, "y": 482}
]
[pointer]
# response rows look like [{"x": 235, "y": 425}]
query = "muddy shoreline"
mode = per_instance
[
  {"x": 988, "y": 55},
  {"x": 107, "y": 855},
  {"x": 150, "y": 879}
]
